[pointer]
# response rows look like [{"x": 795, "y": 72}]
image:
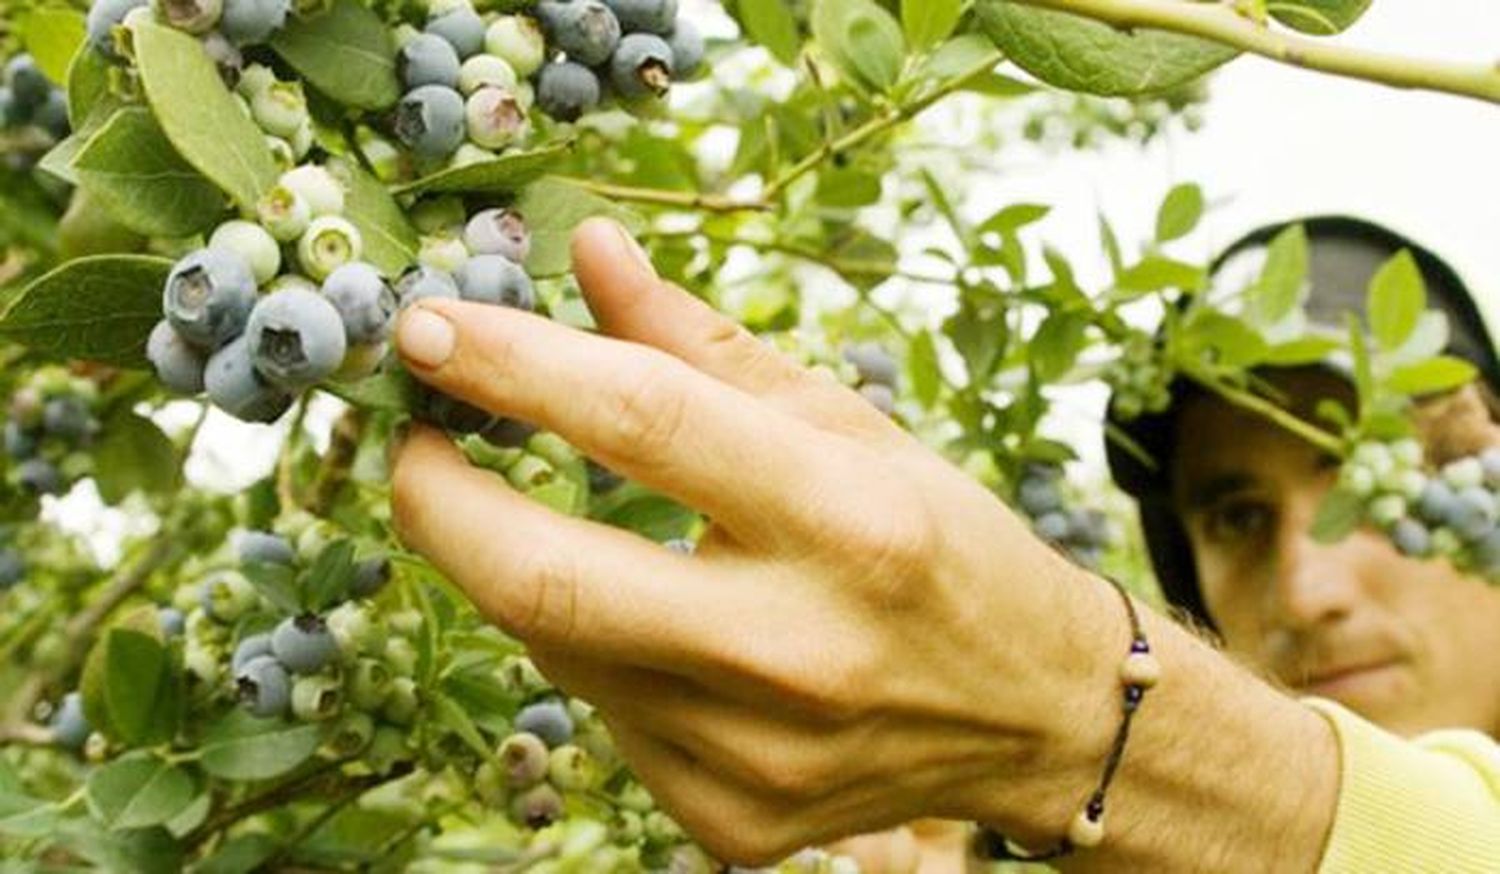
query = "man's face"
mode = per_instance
[{"x": 1410, "y": 644}]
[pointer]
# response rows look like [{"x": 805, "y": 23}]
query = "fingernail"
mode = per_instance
[
  {"x": 633, "y": 249},
  {"x": 425, "y": 338}
]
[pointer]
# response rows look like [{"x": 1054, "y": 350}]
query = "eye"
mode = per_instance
[{"x": 1237, "y": 521}]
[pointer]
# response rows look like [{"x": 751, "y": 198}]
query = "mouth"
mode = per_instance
[{"x": 1348, "y": 679}]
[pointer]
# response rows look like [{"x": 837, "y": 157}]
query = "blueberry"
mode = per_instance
[
  {"x": 1474, "y": 514},
  {"x": 304, "y": 644},
  {"x": 69, "y": 418},
  {"x": 321, "y": 190},
  {"x": 249, "y": 648},
  {"x": 1437, "y": 503},
  {"x": 507, "y": 433},
  {"x": 461, "y": 27},
  {"x": 316, "y": 698},
  {"x": 585, "y": 29},
  {"x": 1089, "y": 528},
  {"x": 329, "y": 243},
  {"x": 12, "y": 567},
  {"x": 1411, "y": 537},
  {"x": 566, "y": 90},
  {"x": 548, "y": 720},
  {"x": 208, "y": 297},
  {"x": 235, "y": 387},
  {"x": 430, "y": 120},
  {"x": 482, "y": 70},
  {"x": 52, "y": 115},
  {"x": 443, "y": 252},
  {"x": 281, "y": 109},
  {"x": 537, "y": 807},
  {"x": 495, "y": 279},
  {"x": 263, "y": 687},
  {"x": 251, "y": 242},
  {"x": 518, "y": 40},
  {"x": 494, "y": 119},
  {"x": 250, "y": 22},
  {"x": 873, "y": 363},
  {"x": 880, "y": 396},
  {"x": 452, "y": 414},
  {"x": 70, "y": 728},
  {"x": 19, "y": 444},
  {"x": 364, "y": 302},
  {"x": 369, "y": 684},
  {"x": 428, "y": 60},
  {"x": 178, "y": 365},
  {"x": 296, "y": 339},
  {"x": 284, "y": 213},
  {"x": 171, "y": 621},
  {"x": 498, "y": 232},
  {"x": 641, "y": 66},
  {"x": 422, "y": 282},
  {"x": 1053, "y": 527},
  {"x": 401, "y": 702},
  {"x": 1489, "y": 461},
  {"x": 651, "y": 16},
  {"x": 226, "y": 596},
  {"x": 263, "y": 547},
  {"x": 104, "y": 16},
  {"x": 28, "y": 84},
  {"x": 191, "y": 16},
  {"x": 1038, "y": 496},
  {"x": 524, "y": 756},
  {"x": 687, "y": 48},
  {"x": 370, "y": 576},
  {"x": 40, "y": 477},
  {"x": 681, "y": 546}
]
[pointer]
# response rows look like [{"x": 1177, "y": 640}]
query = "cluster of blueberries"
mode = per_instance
[
  {"x": 1081, "y": 532},
  {"x": 1139, "y": 384},
  {"x": 633, "y": 48},
  {"x": 538, "y": 763},
  {"x": 29, "y": 99},
  {"x": 279, "y": 108},
  {"x": 224, "y": 26},
  {"x": 878, "y": 375},
  {"x": 48, "y": 423},
  {"x": 1454, "y": 514}
]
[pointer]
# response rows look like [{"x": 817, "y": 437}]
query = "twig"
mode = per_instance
[
  {"x": 343, "y": 446},
  {"x": 664, "y": 197},
  {"x": 1220, "y": 23},
  {"x": 1256, "y": 404},
  {"x": 325, "y": 778},
  {"x": 286, "y": 481}
]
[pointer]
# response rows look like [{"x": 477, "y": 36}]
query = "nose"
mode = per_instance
[{"x": 1316, "y": 583}]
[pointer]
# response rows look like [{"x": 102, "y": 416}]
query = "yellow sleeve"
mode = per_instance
[{"x": 1431, "y": 804}]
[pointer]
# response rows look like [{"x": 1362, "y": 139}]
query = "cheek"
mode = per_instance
[{"x": 1231, "y": 592}]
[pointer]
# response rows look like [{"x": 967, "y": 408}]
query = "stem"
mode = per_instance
[
  {"x": 663, "y": 197},
  {"x": 879, "y": 125},
  {"x": 1260, "y": 406},
  {"x": 343, "y": 446},
  {"x": 1220, "y": 23},
  {"x": 838, "y": 265},
  {"x": 286, "y": 484}
]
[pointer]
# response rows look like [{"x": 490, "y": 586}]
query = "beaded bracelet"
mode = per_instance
[{"x": 1138, "y": 672}]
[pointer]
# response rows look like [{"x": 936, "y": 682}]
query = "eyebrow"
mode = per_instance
[{"x": 1211, "y": 491}]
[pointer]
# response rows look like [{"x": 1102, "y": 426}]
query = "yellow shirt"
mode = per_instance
[{"x": 1430, "y": 804}]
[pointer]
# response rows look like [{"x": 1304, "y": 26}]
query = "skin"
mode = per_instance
[
  {"x": 1300, "y": 610},
  {"x": 865, "y": 637}
]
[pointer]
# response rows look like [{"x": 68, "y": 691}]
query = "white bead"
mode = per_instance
[
  {"x": 1140, "y": 669},
  {"x": 1085, "y": 832}
]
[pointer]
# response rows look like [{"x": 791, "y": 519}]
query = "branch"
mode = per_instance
[
  {"x": 664, "y": 197},
  {"x": 1220, "y": 23},
  {"x": 1256, "y": 404},
  {"x": 343, "y": 446},
  {"x": 323, "y": 779},
  {"x": 847, "y": 267}
]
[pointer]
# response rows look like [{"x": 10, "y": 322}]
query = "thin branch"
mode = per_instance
[
  {"x": 665, "y": 197},
  {"x": 323, "y": 779},
  {"x": 1220, "y": 23},
  {"x": 286, "y": 480},
  {"x": 333, "y": 473},
  {"x": 1256, "y": 404}
]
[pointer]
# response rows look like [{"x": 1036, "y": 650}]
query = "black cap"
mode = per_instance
[{"x": 1343, "y": 254}]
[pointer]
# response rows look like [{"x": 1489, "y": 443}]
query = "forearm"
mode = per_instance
[{"x": 1221, "y": 771}]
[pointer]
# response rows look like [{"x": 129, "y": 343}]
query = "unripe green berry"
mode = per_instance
[
  {"x": 482, "y": 70},
  {"x": 443, "y": 253},
  {"x": 362, "y": 360},
  {"x": 254, "y": 79},
  {"x": 662, "y": 829},
  {"x": 401, "y": 703},
  {"x": 525, "y": 758},
  {"x": 1357, "y": 480},
  {"x": 350, "y": 735},
  {"x": 519, "y": 41},
  {"x": 626, "y": 827},
  {"x": 571, "y": 769},
  {"x": 387, "y": 748},
  {"x": 537, "y": 807},
  {"x": 440, "y": 216},
  {"x": 280, "y": 109},
  {"x": 323, "y": 193},
  {"x": 251, "y": 242},
  {"x": 468, "y": 154},
  {"x": 1408, "y": 452},
  {"x": 1386, "y": 509},
  {"x": 316, "y": 697},
  {"x": 227, "y": 596},
  {"x": 329, "y": 243},
  {"x": 1377, "y": 457},
  {"x": 284, "y": 213},
  {"x": 489, "y": 786},
  {"x": 282, "y": 154},
  {"x": 1465, "y": 473},
  {"x": 370, "y": 684},
  {"x": 636, "y": 797}
]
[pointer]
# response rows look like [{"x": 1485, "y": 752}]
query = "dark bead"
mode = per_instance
[
  {"x": 1095, "y": 810},
  {"x": 1134, "y": 694},
  {"x": 1140, "y": 645}
]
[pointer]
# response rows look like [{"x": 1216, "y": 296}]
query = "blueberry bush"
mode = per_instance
[{"x": 217, "y": 208}]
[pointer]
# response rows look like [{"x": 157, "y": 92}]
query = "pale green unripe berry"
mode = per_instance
[
  {"x": 519, "y": 41},
  {"x": 316, "y": 698},
  {"x": 494, "y": 117},
  {"x": 192, "y": 16},
  {"x": 401, "y": 704},
  {"x": 282, "y": 154},
  {"x": 519, "y": 676},
  {"x": 289, "y": 281},
  {"x": 403, "y": 34},
  {"x": 280, "y": 109},
  {"x": 469, "y": 154},
  {"x": 1408, "y": 452},
  {"x": 1446, "y": 542},
  {"x": 525, "y": 758},
  {"x": 525, "y": 94},
  {"x": 254, "y": 79},
  {"x": 1358, "y": 480},
  {"x": 1386, "y": 509},
  {"x": 401, "y": 656},
  {"x": 362, "y": 360},
  {"x": 661, "y": 829},
  {"x": 489, "y": 786},
  {"x": 284, "y": 213},
  {"x": 324, "y": 194},
  {"x": 350, "y": 735},
  {"x": 203, "y": 663},
  {"x": 627, "y": 826},
  {"x": 1407, "y": 483},
  {"x": 227, "y": 596},
  {"x": 329, "y": 243},
  {"x": 349, "y": 623},
  {"x": 251, "y": 242},
  {"x": 370, "y": 683},
  {"x": 443, "y": 253},
  {"x": 301, "y": 140},
  {"x": 635, "y": 797},
  {"x": 571, "y": 769},
  {"x": 440, "y": 215},
  {"x": 1466, "y": 473},
  {"x": 1377, "y": 457},
  {"x": 482, "y": 70},
  {"x": 443, "y": 7}
]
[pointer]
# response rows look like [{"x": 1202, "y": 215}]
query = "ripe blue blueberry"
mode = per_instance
[
  {"x": 880, "y": 397},
  {"x": 171, "y": 621},
  {"x": 249, "y": 648},
  {"x": 548, "y": 720},
  {"x": 687, "y": 48},
  {"x": 1489, "y": 461},
  {"x": 208, "y": 297},
  {"x": 1053, "y": 527},
  {"x": 12, "y": 567},
  {"x": 70, "y": 728},
  {"x": 428, "y": 60},
  {"x": 430, "y": 120},
  {"x": 461, "y": 27},
  {"x": 1474, "y": 514},
  {"x": 1437, "y": 503},
  {"x": 1039, "y": 496},
  {"x": 296, "y": 339},
  {"x": 19, "y": 443},
  {"x": 498, "y": 232},
  {"x": 28, "y": 84},
  {"x": 495, "y": 279},
  {"x": 370, "y": 576},
  {"x": 304, "y": 644},
  {"x": 1089, "y": 527},
  {"x": 104, "y": 16},
  {"x": 52, "y": 115},
  {"x": 263, "y": 687},
  {"x": 422, "y": 282},
  {"x": 263, "y": 547},
  {"x": 873, "y": 363},
  {"x": 585, "y": 29},
  {"x": 178, "y": 365},
  {"x": 641, "y": 66},
  {"x": 68, "y": 417},
  {"x": 651, "y": 16},
  {"x": 250, "y": 22},
  {"x": 364, "y": 301},
  {"x": 40, "y": 477},
  {"x": 234, "y": 386},
  {"x": 1411, "y": 537},
  {"x": 566, "y": 90}
]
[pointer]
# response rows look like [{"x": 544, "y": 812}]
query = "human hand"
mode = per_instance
[
  {"x": 928, "y": 846},
  {"x": 865, "y": 636}
]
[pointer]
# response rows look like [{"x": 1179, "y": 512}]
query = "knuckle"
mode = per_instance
[
  {"x": 792, "y": 775},
  {"x": 744, "y": 839},
  {"x": 892, "y": 538},
  {"x": 647, "y": 410}
]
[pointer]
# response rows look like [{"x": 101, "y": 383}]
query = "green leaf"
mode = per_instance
[
  {"x": 242, "y": 854},
  {"x": 862, "y": 39},
  {"x": 929, "y": 22},
  {"x": 1427, "y": 340},
  {"x": 848, "y": 187},
  {"x": 1434, "y": 375},
  {"x": 1318, "y": 17},
  {"x": 130, "y": 454},
  {"x": 1338, "y": 515},
  {"x": 328, "y": 579},
  {"x": 138, "y": 790},
  {"x": 139, "y": 691},
  {"x": 1282, "y": 284},
  {"x": 1235, "y": 342},
  {"x": 1079, "y": 54},
  {"x": 449, "y": 713},
  {"x": 130, "y": 166},
  {"x": 1157, "y": 273},
  {"x": 771, "y": 24},
  {"x": 922, "y": 365},
  {"x": 346, "y": 53},
  {"x": 134, "y": 851},
  {"x": 392, "y": 391},
  {"x": 52, "y": 35},
  {"x": 391, "y": 242},
  {"x": 88, "y": 87},
  {"x": 1056, "y": 345},
  {"x": 100, "y": 308},
  {"x": 1303, "y": 350},
  {"x": 199, "y": 115},
  {"x": 275, "y": 582},
  {"x": 647, "y": 513},
  {"x": 241, "y": 747},
  {"x": 553, "y": 208},
  {"x": 501, "y": 175},
  {"x": 1009, "y": 219},
  {"x": 980, "y": 336},
  {"x": 1179, "y": 213},
  {"x": 1396, "y": 300}
]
